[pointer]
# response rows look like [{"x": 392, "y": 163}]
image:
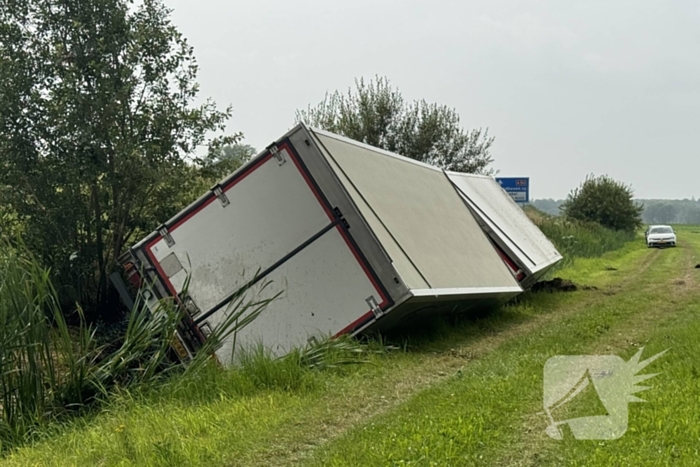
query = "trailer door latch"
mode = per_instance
[
  {"x": 220, "y": 195},
  {"x": 163, "y": 231},
  {"x": 274, "y": 150},
  {"x": 374, "y": 306}
]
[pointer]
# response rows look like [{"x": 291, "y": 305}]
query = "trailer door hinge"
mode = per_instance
[
  {"x": 274, "y": 150},
  {"x": 220, "y": 195},
  {"x": 191, "y": 307},
  {"x": 163, "y": 231},
  {"x": 205, "y": 329},
  {"x": 340, "y": 217},
  {"x": 374, "y": 306}
]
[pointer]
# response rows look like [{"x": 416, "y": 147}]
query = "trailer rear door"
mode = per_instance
[{"x": 268, "y": 219}]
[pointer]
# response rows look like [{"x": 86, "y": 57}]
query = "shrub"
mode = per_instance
[{"x": 606, "y": 201}]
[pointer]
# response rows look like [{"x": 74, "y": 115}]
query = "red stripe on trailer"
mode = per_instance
[
  {"x": 158, "y": 267},
  {"x": 308, "y": 182},
  {"x": 385, "y": 299},
  {"x": 226, "y": 188},
  {"x": 190, "y": 215},
  {"x": 247, "y": 172},
  {"x": 357, "y": 323},
  {"x": 513, "y": 267}
]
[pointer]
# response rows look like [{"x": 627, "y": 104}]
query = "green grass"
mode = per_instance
[
  {"x": 213, "y": 417},
  {"x": 663, "y": 431},
  {"x": 486, "y": 415},
  {"x": 462, "y": 395},
  {"x": 576, "y": 239}
]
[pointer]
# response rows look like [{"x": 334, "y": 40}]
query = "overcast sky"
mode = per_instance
[{"x": 566, "y": 87}]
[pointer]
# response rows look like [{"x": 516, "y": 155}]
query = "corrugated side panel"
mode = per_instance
[{"x": 507, "y": 220}]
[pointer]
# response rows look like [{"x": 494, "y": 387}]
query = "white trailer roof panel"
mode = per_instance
[
  {"x": 418, "y": 208},
  {"x": 501, "y": 215}
]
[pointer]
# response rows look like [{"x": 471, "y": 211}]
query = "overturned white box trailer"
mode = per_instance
[
  {"x": 526, "y": 250},
  {"x": 354, "y": 237}
]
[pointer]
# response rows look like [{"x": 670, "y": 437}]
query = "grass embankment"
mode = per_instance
[
  {"x": 487, "y": 415},
  {"x": 466, "y": 395},
  {"x": 576, "y": 239}
]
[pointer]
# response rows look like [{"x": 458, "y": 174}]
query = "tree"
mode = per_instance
[
  {"x": 671, "y": 211},
  {"x": 376, "y": 113},
  {"x": 225, "y": 160},
  {"x": 97, "y": 130},
  {"x": 605, "y": 201},
  {"x": 653, "y": 213},
  {"x": 10, "y": 226}
]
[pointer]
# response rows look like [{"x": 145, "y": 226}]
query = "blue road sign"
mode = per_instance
[{"x": 518, "y": 188}]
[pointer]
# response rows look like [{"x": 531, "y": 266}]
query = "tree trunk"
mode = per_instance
[{"x": 102, "y": 272}]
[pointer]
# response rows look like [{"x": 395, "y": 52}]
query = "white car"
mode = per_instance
[{"x": 660, "y": 235}]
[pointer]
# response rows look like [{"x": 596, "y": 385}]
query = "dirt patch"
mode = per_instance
[
  {"x": 461, "y": 354},
  {"x": 612, "y": 290},
  {"x": 555, "y": 285}
]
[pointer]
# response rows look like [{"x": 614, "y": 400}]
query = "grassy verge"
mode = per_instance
[
  {"x": 575, "y": 239},
  {"x": 257, "y": 416},
  {"x": 663, "y": 431},
  {"x": 48, "y": 372},
  {"x": 487, "y": 413}
]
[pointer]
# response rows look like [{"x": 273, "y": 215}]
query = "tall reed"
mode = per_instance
[{"x": 48, "y": 369}]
